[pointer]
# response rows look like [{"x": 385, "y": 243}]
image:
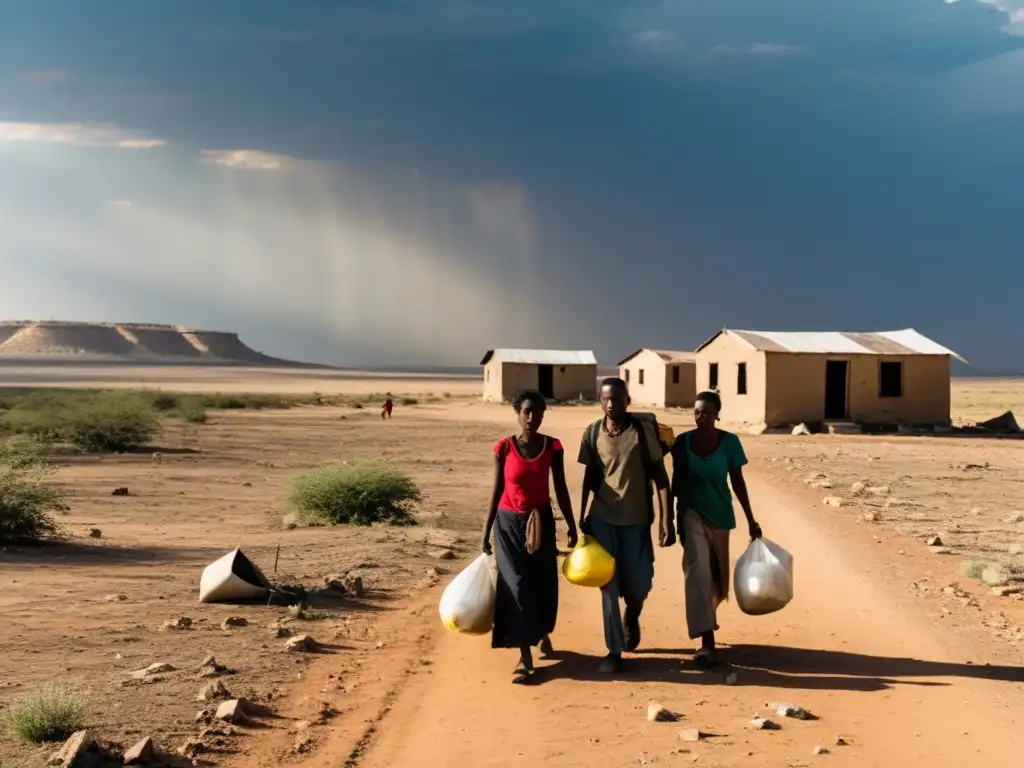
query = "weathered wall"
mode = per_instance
[
  {"x": 796, "y": 389},
  {"x": 728, "y": 352},
  {"x": 652, "y": 391},
  {"x": 681, "y": 395},
  {"x": 572, "y": 380},
  {"x": 503, "y": 380}
]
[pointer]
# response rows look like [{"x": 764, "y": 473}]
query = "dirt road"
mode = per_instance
[{"x": 850, "y": 648}]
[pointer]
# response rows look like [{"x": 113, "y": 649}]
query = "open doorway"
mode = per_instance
[
  {"x": 546, "y": 380},
  {"x": 835, "y": 389}
]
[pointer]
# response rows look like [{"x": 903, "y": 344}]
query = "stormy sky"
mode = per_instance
[{"x": 411, "y": 183}]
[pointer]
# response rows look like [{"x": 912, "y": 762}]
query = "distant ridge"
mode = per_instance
[{"x": 136, "y": 342}]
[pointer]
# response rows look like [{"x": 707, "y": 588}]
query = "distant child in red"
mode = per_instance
[{"x": 386, "y": 410}]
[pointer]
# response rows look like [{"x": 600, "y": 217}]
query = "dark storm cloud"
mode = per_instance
[{"x": 791, "y": 164}]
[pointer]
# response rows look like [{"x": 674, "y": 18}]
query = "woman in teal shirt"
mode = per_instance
[{"x": 704, "y": 461}]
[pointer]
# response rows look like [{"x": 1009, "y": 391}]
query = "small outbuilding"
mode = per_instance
[
  {"x": 660, "y": 378},
  {"x": 780, "y": 379},
  {"x": 556, "y": 374}
]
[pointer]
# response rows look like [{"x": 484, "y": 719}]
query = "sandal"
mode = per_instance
[
  {"x": 705, "y": 657},
  {"x": 521, "y": 674}
]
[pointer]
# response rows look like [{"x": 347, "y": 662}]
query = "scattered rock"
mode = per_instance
[
  {"x": 858, "y": 488},
  {"x": 1016, "y": 517},
  {"x": 234, "y": 621},
  {"x": 119, "y": 492},
  {"x": 210, "y": 667},
  {"x": 182, "y": 622},
  {"x": 354, "y": 585},
  {"x": 347, "y": 584},
  {"x": 658, "y": 714},
  {"x": 732, "y": 679},
  {"x": 141, "y": 753},
  {"x": 840, "y": 741},
  {"x": 158, "y": 458},
  {"x": 994, "y": 576},
  {"x": 281, "y": 632},
  {"x": 302, "y": 745},
  {"x": 933, "y": 541},
  {"x": 794, "y": 712},
  {"x": 234, "y": 711},
  {"x": 301, "y": 643},
  {"x": 159, "y": 668},
  {"x": 893, "y": 503},
  {"x": 764, "y": 724},
  {"x": 878, "y": 490},
  {"x": 832, "y": 501},
  {"x": 1006, "y": 591},
  {"x": 192, "y": 748},
  {"x": 247, "y": 485},
  {"x": 871, "y": 517},
  {"x": 819, "y": 751},
  {"x": 801, "y": 429},
  {"x": 213, "y": 691},
  {"x": 95, "y": 533},
  {"x": 118, "y": 598},
  {"x": 691, "y": 734},
  {"x": 443, "y": 554},
  {"x": 73, "y": 749},
  {"x": 335, "y": 583}
]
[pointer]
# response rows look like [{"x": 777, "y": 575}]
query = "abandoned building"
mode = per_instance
[
  {"x": 780, "y": 379},
  {"x": 660, "y": 378},
  {"x": 558, "y": 375}
]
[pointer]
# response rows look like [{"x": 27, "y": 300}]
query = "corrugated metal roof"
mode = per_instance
[
  {"x": 541, "y": 356},
  {"x": 905, "y": 342},
  {"x": 676, "y": 356},
  {"x": 668, "y": 355}
]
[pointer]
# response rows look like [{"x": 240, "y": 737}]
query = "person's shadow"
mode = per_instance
[{"x": 775, "y": 667}]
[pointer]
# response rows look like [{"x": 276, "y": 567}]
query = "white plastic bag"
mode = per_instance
[
  {"x": 763, "y": 578},
  {"x": 467, "y": 604}
]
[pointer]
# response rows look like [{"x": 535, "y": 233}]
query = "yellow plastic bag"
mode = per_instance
[
  {"x": 467, "y": 603},
  {"x": 589, "y": 565}
]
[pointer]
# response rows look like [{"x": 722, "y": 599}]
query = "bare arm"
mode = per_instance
[
  {"x": 492, "y": 509},
  {"x": 562, "y": 495},
  {"x": 739, "y": 487}
]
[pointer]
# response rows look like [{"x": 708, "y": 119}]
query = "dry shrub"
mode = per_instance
[
  {"x": 28, "y": 500},
  {"x": 50, "y": 713},
  {"x": 359, "y": 493}
]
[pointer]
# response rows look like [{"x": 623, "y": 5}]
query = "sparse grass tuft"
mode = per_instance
[
  {"x": 973, "y": 569},
  {"x": 28, "y": 501},
  {"x": 50, "y": 713},
  {"x": 361, "y": 493}
]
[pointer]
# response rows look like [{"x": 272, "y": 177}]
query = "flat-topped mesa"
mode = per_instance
[{"x": 153, "y": 342}]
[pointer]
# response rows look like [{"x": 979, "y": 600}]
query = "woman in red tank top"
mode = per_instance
[{"x": 527, "y": 601}]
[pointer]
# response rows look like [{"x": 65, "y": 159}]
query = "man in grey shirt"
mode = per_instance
[{"x": 623, "y": 457}]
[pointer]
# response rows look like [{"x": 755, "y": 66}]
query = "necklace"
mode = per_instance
[{"x": 615, "y": 429}]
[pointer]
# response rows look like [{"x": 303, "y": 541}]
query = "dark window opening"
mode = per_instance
[
  {"x": 640, "y": 377},
  {"x": 713, "y": 376},
  {"x": 890, "y": 380},
  {"x": 741, "y": 378},
  {"x": 675, "y": 374}
]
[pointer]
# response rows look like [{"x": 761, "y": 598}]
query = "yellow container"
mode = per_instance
[{"x": 589, "y": 564}]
